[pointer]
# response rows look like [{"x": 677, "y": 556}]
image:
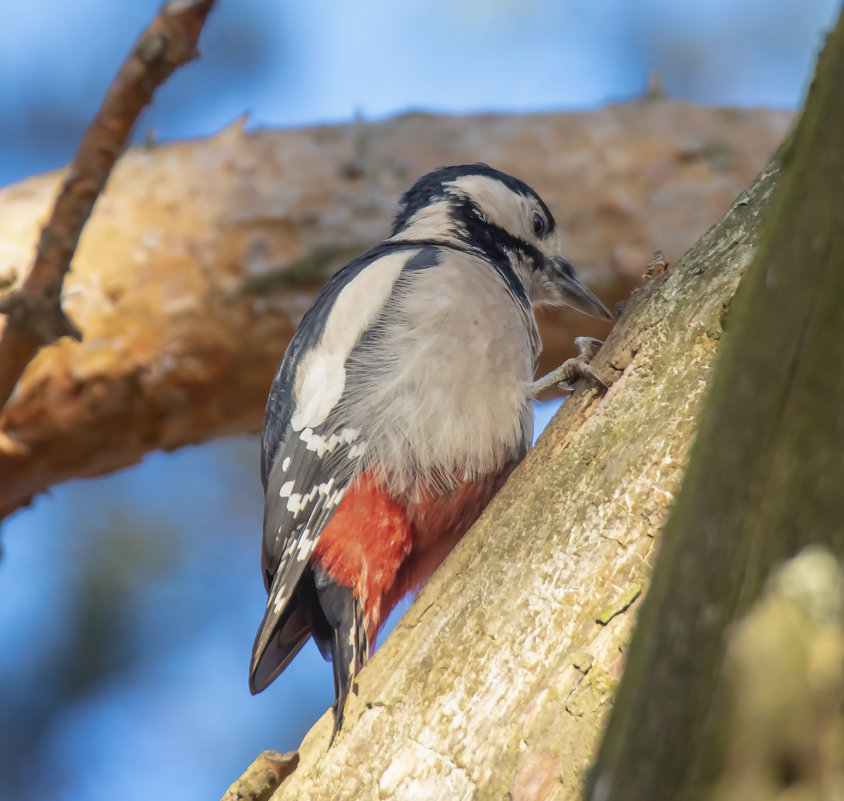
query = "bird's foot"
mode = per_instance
[{"x": 572, "y": 369}]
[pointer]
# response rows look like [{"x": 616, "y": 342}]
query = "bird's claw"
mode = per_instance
[{"x": 571, "y": 369}]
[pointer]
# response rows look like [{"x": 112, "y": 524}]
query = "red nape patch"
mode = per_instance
[{"x": 364, "y": 545}]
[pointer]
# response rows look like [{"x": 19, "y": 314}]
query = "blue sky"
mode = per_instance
[
  {"x": 161, "y": 561},
  {"x": 296, "y": 63}
]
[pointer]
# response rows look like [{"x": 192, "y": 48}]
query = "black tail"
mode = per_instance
[
  {"x": 347, "y": 644},
  {"x": 276, "y": 643}
]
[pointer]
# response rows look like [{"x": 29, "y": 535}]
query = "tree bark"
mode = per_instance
[
  {"x": 496, "y": 682},
  {"x": 201, "y": 257},
  {"x": 764, "y": 481}
]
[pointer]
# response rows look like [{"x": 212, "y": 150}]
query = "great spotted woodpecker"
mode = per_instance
[{"x": 402, "y": 404}]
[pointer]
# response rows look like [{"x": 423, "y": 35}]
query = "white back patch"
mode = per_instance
[{"x": 321, "y": 375}]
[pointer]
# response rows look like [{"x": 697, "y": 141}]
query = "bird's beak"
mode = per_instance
[{"x": 576, "y": 295}]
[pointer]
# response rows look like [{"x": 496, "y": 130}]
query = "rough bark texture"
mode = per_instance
[
  {"x": 496, "y": 682},
  {"x": 202, "y": 256},
  {"x": 765, "y": 478}
]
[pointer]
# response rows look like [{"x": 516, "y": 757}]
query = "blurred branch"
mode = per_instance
[
  {"x": 202, "y": 256},
  {"x": 262, "y": 777},
  {"x": 783, "y": 724},
  {"x": 34, "y": 312}
]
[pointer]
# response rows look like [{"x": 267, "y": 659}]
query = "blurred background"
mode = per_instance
[{"x": 128, "y": 604}]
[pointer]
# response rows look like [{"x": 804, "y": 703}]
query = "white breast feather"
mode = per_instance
[{"x": 447, "y": 381}]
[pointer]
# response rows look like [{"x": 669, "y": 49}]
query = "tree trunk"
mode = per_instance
[
  {"x": 764, "y": 481},
  {"x": 201, "y": 257},
  {"x": 496, "y": 682}
]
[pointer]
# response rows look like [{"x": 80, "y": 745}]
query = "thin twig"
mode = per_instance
[{"x": 34, "y": 314}]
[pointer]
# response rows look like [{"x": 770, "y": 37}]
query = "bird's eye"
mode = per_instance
[{"x": 539, "y": 224}]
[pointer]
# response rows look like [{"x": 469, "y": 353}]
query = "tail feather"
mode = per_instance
[
  {"x": 273, "y": 651},
  {"x": 344, "y": 614}
]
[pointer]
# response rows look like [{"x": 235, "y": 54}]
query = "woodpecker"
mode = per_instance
[{"x": 401, "y": 406}]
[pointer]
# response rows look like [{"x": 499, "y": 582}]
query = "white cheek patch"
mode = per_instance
[
  {"x": 321, "y": 375},
  {"x": 500, "y": 204}
]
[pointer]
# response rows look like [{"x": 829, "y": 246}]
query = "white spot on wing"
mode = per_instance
[
  {"x": 335, "y": 498},
  {"x": 321, "y": 377},
  {"x": 356, "y": 451},
  {"x": 321, "y": 445},
  {"x": 297, "y": 501},
  {"x": 285, "y": 464},
  {"x": 294, "y": 503},
  {"x": 314, "y": 442},
  {"x": 349, "y": 435},
  {"x": 286, "y": 489},
  {"x": 304, "y": 548}
]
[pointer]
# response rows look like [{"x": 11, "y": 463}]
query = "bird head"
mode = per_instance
[{"x": 480, "y": 208}]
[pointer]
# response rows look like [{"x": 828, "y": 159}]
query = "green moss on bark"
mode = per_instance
[{"x": 765, "y": 475}]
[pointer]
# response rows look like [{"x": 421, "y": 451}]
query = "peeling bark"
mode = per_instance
[
  {"x": 201, "y": 257},
  {"x": 497, "y": 681}
]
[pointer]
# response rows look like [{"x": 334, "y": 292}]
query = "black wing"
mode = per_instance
[{"x": 305, "y": 475}]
